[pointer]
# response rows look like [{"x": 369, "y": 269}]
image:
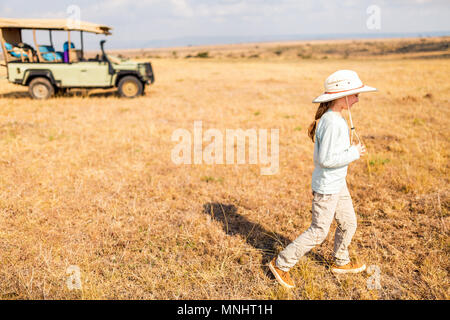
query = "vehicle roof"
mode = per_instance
[{"x": 55, "y": 24}]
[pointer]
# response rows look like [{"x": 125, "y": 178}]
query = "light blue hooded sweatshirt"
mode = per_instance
[{"x": 332, "y": 154}]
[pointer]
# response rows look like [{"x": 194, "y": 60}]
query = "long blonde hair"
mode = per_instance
[{"x": 323, "y": 107}]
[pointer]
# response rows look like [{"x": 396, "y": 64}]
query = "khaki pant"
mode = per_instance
[{"x": 325, "y": 207}]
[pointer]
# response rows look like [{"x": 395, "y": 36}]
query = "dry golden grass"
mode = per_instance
[
  {"x": 436, "y": 47},
  {"x": 89, "y": 181}
]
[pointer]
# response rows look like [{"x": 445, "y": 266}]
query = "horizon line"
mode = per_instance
[{"x": 199, "y": 41}]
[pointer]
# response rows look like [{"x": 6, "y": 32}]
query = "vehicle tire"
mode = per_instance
[
  {"x": 41, "y": 88},
  {"x": 130, "y": 87}
]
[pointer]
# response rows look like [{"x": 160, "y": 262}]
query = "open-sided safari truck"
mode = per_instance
[{"x": 47, "y": 71}]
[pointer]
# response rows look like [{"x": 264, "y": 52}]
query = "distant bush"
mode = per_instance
[
  {"x": 305, "y": 56},
  {"x": 203, "y": 54},
  {"x": 278, "y": 52}
]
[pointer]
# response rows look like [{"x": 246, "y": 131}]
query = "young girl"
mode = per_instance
[{"x": 333, "y": 153}]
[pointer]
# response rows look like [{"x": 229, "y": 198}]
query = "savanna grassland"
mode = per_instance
[{"x": 88, "y": 180}]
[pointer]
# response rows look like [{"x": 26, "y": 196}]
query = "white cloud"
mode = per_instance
[
  {"x": 5, "y": 10},
  {"x": 222, "y": 10},
  {"x": 182, "y": 8}
]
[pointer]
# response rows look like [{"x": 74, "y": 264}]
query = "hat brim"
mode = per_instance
[{"x": 325, "y": 97}]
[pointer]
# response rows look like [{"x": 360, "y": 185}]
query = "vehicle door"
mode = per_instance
[{"x": 93, "y": 73}]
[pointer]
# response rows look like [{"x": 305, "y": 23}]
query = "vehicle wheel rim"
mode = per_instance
[
  {"x": 40, "y": 91},
  {"x": 130, "y": 89}
]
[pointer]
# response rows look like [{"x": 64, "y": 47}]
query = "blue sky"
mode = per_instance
[{"x": 139, "y": 23}]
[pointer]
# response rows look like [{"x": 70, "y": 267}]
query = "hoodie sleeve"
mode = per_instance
[{"x": 331, "y": 140}]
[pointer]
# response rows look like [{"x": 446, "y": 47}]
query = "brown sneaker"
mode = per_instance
[
  {"x": 351, "y": 267},
  {"x": 282, "y": 277}
]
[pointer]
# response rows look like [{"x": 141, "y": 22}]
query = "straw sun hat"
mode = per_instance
[{"x": 340, "y": 84}]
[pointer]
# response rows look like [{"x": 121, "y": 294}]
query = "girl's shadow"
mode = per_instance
[{"x": 268, "y": 242}]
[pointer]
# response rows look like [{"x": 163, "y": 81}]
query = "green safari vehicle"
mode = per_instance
[{"x": 47, "y": 71}]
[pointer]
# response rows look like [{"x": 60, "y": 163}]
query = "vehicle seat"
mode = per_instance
[
  {"x": 48, "y": 54},
  {"x": 66, "y": 46},
  {"x": 15, "y": 51},
  {"x": 67, "y": 51}
]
